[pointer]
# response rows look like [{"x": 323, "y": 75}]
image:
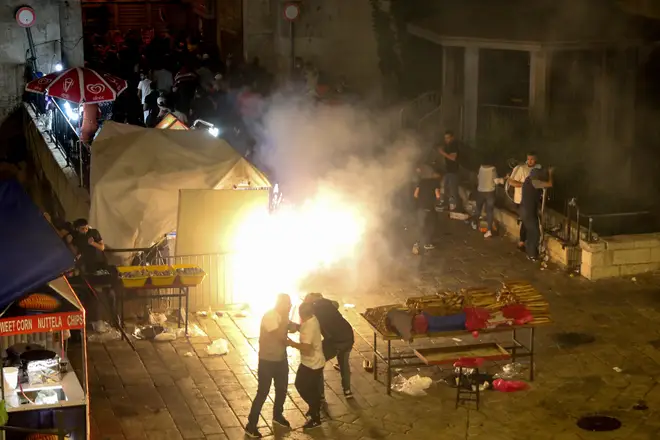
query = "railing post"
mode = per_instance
[{"x": 80, "y": 163}]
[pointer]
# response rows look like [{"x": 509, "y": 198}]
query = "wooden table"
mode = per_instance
[{"x": 517, "y": 350}]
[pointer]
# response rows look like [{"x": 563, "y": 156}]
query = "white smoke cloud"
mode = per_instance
[{"x": 352, "y": 152}]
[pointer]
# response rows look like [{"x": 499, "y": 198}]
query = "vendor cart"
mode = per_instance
[
  {"x": 444, "y": 349},
  {"x": 44, "y": 376}
]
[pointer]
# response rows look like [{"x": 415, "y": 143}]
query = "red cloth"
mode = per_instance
[
  {"x": 519, "y": 313},
  {"x": 476, "y": 319},
  {"x": 420, "y": 324}
]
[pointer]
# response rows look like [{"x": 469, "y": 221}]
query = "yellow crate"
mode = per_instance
[
  {"x": 133, "y": 282},
  {"x": 160, "y": 280},
  {"x": 190, "y": 280}
]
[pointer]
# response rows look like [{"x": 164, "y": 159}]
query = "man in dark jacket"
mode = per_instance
[{"x": 338, "y": 338}]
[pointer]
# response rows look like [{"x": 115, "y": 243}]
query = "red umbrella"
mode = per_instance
[{"x": 79, "y": 85}]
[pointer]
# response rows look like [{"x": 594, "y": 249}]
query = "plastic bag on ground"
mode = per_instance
[
  {"x": 195, "y": 331},
  {"x": 414, "y": 386},
  {"x": 157, "y": 318},
  {"x": 103, "y": 332},
  {"x": 218, "y": 347},
  {"x": 509, "y": 386},
  {"x": 510, "y": 371}
]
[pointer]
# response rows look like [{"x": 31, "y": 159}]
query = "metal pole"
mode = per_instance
[
  {"x": 292, "y": 28},
  {"x": 33, "y": 53}
]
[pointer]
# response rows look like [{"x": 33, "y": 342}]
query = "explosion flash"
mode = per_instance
[{"x": 276, "y": 252}]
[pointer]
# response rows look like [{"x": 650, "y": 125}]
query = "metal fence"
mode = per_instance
[{"x": 62, "y": 132}]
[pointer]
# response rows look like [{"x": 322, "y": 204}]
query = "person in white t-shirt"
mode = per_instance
[
  {"x": 312, "y": 361},
  {"x": 516, "y": 180}
]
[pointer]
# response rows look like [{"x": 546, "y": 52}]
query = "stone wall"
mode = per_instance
[
  {"x": 48, "y": 40},
  {"x": 52, "y": 167},
  {"x": 620, "y": 256}
]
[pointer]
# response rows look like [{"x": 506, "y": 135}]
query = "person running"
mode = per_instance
[
  {"x": 427, "y": 196},
  {"x": 312, "y": 361},
  {"x": 338, "y": 338},
  {"x": 273, "y": 365}
]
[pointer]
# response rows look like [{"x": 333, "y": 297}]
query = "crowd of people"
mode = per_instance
[{"x": 435, "y": 180}]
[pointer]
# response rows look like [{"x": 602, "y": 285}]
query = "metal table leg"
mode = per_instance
[
  {"x": 178, "y": 320},
  {"x": 187, "y": 292},
  {"x": 389, "y": 367},
  {"x": 515, "y": 345},
  {"x": 531, "y": 354},
  {"x": 375, "y": 361}
]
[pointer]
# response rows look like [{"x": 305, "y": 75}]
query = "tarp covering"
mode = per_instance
[
  {"x": 136, "y": 175},
  {"x": 31, "y": 252}
]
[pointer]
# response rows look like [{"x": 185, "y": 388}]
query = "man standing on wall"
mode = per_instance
[
  {"x": 450, "y": 150},
  {"x": 273, "y": 365}
]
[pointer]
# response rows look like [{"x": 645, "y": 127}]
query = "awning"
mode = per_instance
[{"x": 31, "y": 252}]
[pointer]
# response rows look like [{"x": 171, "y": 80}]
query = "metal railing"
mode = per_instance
[{"x": 62, "y": 133}]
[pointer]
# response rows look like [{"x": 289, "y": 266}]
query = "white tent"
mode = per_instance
[{"x": 136, "y": 175}]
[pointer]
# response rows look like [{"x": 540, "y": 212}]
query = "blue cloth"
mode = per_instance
[{"x": 31, "y": 252}]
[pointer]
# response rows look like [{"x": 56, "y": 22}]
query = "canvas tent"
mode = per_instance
[
  {"x": 136, "y": 175},
  {"x": 32, "y": 254}
]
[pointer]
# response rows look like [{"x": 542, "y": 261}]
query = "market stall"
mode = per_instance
[
  {"x": 44, "y": 381},
  {"x": 161, "y": 282},
  {"x": 517, "y": 308}
]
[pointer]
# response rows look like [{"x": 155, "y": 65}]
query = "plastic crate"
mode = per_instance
[
  {"x": 132, "y": 282},
  {"x": 190, "y": 280},
  {"x": 161, "y": 280}
]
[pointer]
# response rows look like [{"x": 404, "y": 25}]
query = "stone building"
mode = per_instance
[{"x": 57, "y": 36}]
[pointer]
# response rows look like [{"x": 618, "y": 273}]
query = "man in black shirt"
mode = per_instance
[
  {"x": 427, "y": 195},
  {"x": 150, "y": 107},
  {"x": 90, "y": 246},
  {"x": 451, "y": 152},
  {"x": 338, "y": 338},
  {"x": 529, "y": 210}
]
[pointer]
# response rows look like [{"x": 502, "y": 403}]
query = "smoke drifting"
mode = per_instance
[{"x": 354, "y": 154}]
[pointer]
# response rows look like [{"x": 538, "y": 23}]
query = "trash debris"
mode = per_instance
[
  {"x": 640, "y": 406},
  {"x": 189, "y": 354},
  {"x": 366, "y": 365},
  {"x": 219, "y": 314},
  {"x": 103, "y": 333},
  {"x": 349, "y": 306},
  {"x": 165, "y": 337},
  {"x": 459, "y": 216},
  {"x": 195, "y": 331},
  {"x": 633, "y": 279},
  {"x": 202, "y": 313},
  {"x": 510, "y": 371},
  {"x": 456, "y": 340},
  {"x": 414, "y": 386},
  {"x": 218, "y": 347},
  {"x": 617, "y": 369},
  {"x": 240, "y": 315},
  {"x": 157, "y": 318},
  {"x": 148, "y": 332},
  {"x": 509, "y": 386}
]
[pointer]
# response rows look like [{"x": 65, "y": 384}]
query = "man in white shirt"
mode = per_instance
[
  {"x": 312, "y": 361},
  {"x": 273, "y": 365},
  {"x": 516, "y": 180}
]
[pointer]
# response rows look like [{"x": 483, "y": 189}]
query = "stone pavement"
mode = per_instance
[{"x": 609, "y": 361}]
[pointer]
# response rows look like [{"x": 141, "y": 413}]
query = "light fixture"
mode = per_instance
[
  {"x": 58, "y": 67},
  {"x": 71, "y": 113},
  {"x": 214, "y": 131}
]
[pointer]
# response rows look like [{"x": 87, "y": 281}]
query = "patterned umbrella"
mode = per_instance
[{"x": 79, "y": 85}]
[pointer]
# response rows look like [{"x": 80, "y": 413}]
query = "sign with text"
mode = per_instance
[{"x": 42, "y": 323}]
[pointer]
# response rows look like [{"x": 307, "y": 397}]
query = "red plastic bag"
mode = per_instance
[
  {"x": 476, "y": 319},
  {"x": 509, "y": 386},
  {"x": 519, "y": 313},
  {"x": 420, "y": 324}
]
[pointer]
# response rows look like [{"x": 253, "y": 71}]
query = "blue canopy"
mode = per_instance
[{"x": 31, "y": 252}]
